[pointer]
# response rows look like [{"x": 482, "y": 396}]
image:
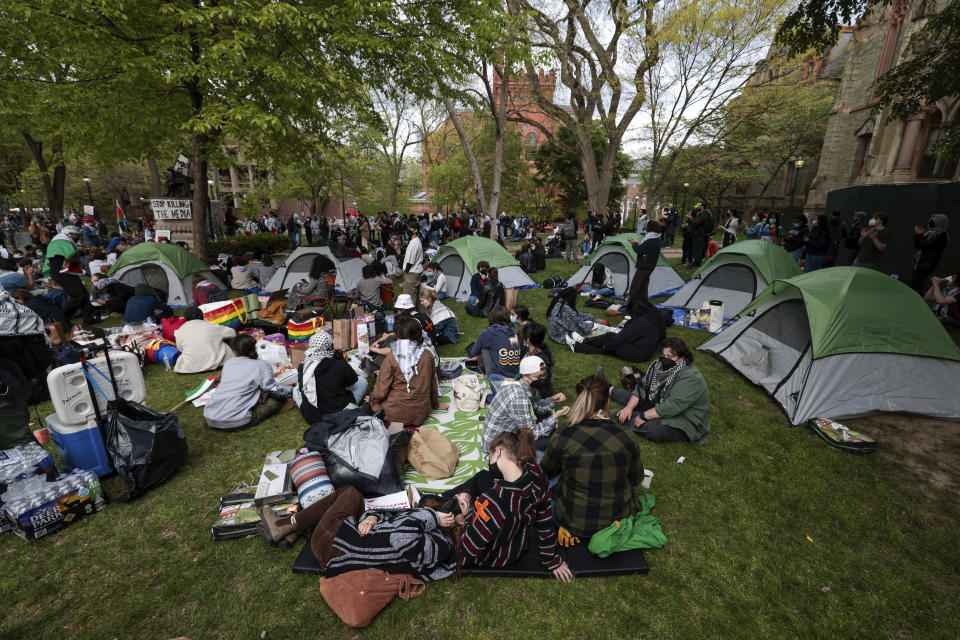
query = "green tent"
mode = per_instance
[
  {"x": 735, "y": 276},
  {"x": 458, "y": 259},
  {"x": 843, "y": 342},
  {"x": 616, "y": 254},
  {"x": 168, "y": 268}
]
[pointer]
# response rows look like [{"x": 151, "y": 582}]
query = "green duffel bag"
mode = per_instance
[{"x": 840, "y": 437}]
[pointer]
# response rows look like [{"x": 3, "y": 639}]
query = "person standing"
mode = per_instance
[
  {"x": 648, "y": 253},
  {"x": 293, "y": 230},
  {"x": 570, "y": 236},
  {"x": 686, "y": 254},
  {"x": 642, "y": 222},
  {"x": 701, "y": 229},
  {"x": 851, "y": 244},
  {"x": 794, "y": 238},
  {"x": 873, "y": 241},
  {"x": 413, "y": 261},
  {"x": 929, "y": 244},
  {"x": 730, "y": 228},
  {"x": 816, "y": 244}
]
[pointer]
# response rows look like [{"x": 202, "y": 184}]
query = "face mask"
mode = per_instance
[
  {"x": 754, "y": 218},
  {"x": 815, "y": 223},
  {"x": 666, "y": 363},
  {"x": 873, "y": 222},
  {"x": 513, "y": 319},
  {"x": 796, "y": 225},
  {"x": 539, "y": 384}
]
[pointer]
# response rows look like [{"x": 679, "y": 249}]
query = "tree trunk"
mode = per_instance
[
  {"x": 500, "y": 120},
  {"x": 201, "y": 200},
  {"x": 468, "y": 152},
  {"x": 52, "y": 189},
  {"x": 155, "y": 185}
]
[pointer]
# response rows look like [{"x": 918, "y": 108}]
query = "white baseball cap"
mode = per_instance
[
  {"x": 531, "y": 365},
  {"x": 404, "y": 301}
]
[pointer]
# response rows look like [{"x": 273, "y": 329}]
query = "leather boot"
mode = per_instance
[{"x": 272, "y": 530}]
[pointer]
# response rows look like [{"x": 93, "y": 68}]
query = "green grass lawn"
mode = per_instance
[{"x": 772, "y": 534}]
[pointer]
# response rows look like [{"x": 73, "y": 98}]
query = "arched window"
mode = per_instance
[
  {"x": 531, "y": 142},
  {"x": 892, "y": 40},
  {"x": 930, "y": 165}
]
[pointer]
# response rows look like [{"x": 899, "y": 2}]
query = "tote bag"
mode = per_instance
[{"x": 303, "y": 331}]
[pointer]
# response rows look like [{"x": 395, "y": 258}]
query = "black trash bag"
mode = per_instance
[{"x": 146, "y": 447}]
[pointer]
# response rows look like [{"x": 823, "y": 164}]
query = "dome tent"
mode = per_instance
[
  {"x": 168, "y": 268},
  {"x": 735, "y": 275},
  {"x": 297, "y": 268},
  {"x": 616, "y": 254},
  {"x": 844, "y": 342},
  {"x": 458, "y": 260}
]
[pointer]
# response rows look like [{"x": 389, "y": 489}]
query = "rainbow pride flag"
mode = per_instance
[
  {"x": 228, "y": 314},
  {"x": 303, "y": 331}
]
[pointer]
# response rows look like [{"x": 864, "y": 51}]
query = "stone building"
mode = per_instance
[{"x": 864, "y": 145}]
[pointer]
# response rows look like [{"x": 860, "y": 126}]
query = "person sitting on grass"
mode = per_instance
[
  {"x": 144, "y": 306},
  {"x": 598, "y": 461},
  {"x": 435, "y": 280},
  {"x": 601, "y": 282},
  {"x": 519, "y": 315},
  {"x": 243, "y": 278},
  {"x": 326, "y": 383},
  {"x": 476, "y": 286},
  {"x": 512, "y": 408},
  {"x": 248, "y": 393},
  {"x": 533, "y": 338},
  {"x": 491, "y": 294},
  {"x": 637, "y": 339},
  {"x": 443, "y": 319},
  {"x": 406, "y": 388},
  {"x": 564, "y": 322},
  {"x": 501, "y": 340},
  {"x": 672, "y": 403},
  {"x": 203, "y": 345}
]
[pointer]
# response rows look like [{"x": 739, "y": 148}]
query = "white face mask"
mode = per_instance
[
  {"x": 513, "y": 319},
  {"x": 873, "y": 222}
]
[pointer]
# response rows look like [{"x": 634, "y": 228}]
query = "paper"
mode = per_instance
[
  {"x": 398, "y": 500},
  {"x": 272, "y": 481}
]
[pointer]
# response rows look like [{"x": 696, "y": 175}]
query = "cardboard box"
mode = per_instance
[{"x": 298, "y": 353}]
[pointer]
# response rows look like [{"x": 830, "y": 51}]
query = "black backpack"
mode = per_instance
[
  {"x": 554, "y": 282},
  {"x": 570, "y": 229}
]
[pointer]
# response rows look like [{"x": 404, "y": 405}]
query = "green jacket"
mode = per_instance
[
  {"x": 686, "y": 405},
  {"x": 59, "y": 246}
]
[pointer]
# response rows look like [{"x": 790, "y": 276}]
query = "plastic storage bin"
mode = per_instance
[
  {"x": 79, "y": 446},
  {"x": 71, "y": 396}
]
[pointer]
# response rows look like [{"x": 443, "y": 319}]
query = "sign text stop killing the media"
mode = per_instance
[{"x": 167, "y": 209}]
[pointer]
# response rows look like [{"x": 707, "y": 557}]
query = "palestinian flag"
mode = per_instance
[
  {"x": 208, "y": 383},
  {"x": 122, "y": 223}
]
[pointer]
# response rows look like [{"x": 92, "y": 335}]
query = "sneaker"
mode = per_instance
[
  {"x": 570, "y": 341},
  {"x": 576, "y": 337}
]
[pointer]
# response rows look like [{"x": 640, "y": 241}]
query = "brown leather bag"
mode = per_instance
[{"x": 358, "y": 596}]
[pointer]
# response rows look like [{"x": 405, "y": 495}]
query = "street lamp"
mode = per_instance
[
  {"x": 686, "y": 185},
  {"x": 343, "y": 205},
  {"x": 798, "y": 164},
  {"x": 89, "y": 193}
]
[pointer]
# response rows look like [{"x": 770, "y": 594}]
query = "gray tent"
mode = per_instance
[
  {"x": 844, "y": 342},
  {"x": 297, "y": 268},
  {"x": 735, "y": 276},
  {"x": 616, "y": 254}
]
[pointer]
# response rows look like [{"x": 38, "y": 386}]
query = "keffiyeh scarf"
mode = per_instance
[
  {"x": 407, "y": 353},
  {"x": 658, "y": 380},
  {"x": 319, "y": 349}
]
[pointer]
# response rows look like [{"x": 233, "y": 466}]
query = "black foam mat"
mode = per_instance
[{"x": 581, "y": 562}]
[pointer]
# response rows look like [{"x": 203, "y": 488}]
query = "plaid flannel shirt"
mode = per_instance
[
  {"x": 512, "y": 409},
  {"x": 600, "y": 465}
]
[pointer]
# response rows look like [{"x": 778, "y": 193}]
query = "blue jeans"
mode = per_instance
[
  {"x": 471, "y": 305},
  {"x": 447, "y": 330},
  {"x": 358, "y": 389},
  {"x": 442, "y": 295},
  {"x": 602, "y": 291},
  {"x": 796, "y": 254},
  {"x": 491, "y": 378}
]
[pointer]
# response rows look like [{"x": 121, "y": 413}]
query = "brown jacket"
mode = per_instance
[
  {"x": 275, "y": 312},
  {"x": 390, "y": 392}
]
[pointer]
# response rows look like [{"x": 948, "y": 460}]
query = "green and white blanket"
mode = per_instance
[{"x": 464, "y": 430}]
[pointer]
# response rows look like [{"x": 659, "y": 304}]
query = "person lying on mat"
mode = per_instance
[
  {"x": 672, "y": 403},
  {"x": 564, "y": 322},
  {"x": 598, "y": 461},
  {"x": 406, "y": 388},
  {"x": 348, "y": 537},
  {"x": 500, "y": 339},
  {"x": 326, "y": 383},
  {"x": 637, "y": 339},
  {"x": 443, "y": 319},
  {"x": 248, "y": 393},
  {"x": 203, "y": 345},
  {"x": 512, "y": 407},
  {"x": 500, "y": 515}
]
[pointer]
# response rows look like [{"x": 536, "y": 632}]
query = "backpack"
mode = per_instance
[
  {"x": 554, "y": 282},
  {"x": 467, "y": 394},
  {"x": 570, "y": 229}
]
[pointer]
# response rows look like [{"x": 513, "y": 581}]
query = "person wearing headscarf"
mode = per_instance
[
  {"x": 929, "y": 244},
  {"x": 406, "y": 388},
  {"x": 325, "y": 382}
]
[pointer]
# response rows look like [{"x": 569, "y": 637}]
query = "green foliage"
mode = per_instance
[
  {"x": 561, "y": 172},
  {"x": 240, "y": 244}
]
